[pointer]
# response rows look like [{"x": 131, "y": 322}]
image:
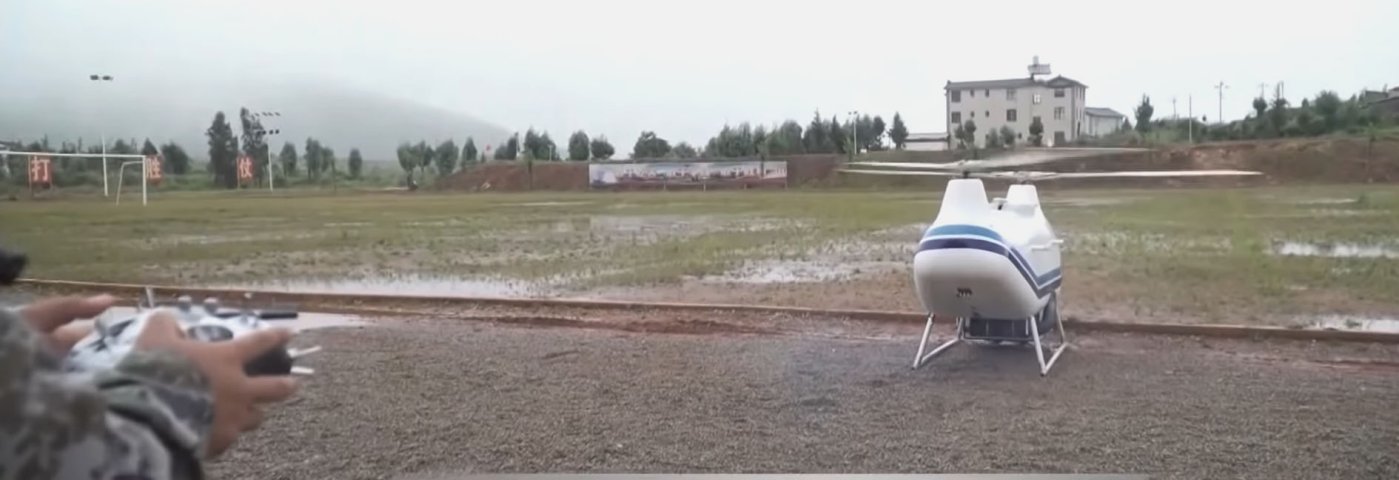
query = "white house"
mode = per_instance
[
  {"x": 926, "y": 142},
  {"x": 1101, "y": 121}
]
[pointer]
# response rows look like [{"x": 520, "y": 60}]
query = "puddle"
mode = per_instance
[
  {"x": 1082, "y": 202},
  {"x": 1331, "y": 212},
  {"x": 451, "y": 222},
  {"x": 304, "y": 320},
  {"x": 773, "y": 271},
  {"x": 174, "y": 240},
  {"x": 651, "y": 228},
  {"x": 1356, "y": 323},
  {"x": 1320, "y": 212},
  {"x": 1117, "y": 242},
  {"x": 545, "y": 204},
  {"x": 1325, "y": 201},
  {"x": 1346, "y": 250},
  {"x": 404, "y": 285}
]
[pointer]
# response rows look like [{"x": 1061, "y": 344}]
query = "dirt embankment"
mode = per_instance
[{"x": 1318, "y": 160}]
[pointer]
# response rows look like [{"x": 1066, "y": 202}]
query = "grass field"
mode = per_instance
[{"x": 1284, "y": 256}]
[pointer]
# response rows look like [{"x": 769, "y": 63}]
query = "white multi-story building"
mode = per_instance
[{"x": 1058, "y": 103}]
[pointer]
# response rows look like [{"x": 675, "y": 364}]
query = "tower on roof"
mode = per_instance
[{"x": 1037, "y": 68}]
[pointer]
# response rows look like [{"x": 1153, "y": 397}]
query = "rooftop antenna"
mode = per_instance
[{"x": 1037, "y": 68}]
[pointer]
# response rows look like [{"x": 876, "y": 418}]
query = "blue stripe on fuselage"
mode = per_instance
[{"x": 985, "y": 239}]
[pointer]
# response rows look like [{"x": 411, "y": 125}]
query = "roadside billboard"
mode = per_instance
[{"x": 745, "y": 174}]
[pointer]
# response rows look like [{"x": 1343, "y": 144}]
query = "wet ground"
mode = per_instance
[
  {"x": 1277, "y": 256},
  {"x": 507, "y": 391}
]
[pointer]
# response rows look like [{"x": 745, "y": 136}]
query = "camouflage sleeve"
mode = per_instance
[{"x": 146, "y": 419}]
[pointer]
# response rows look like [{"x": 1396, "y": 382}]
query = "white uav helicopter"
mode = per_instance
[{"x": 995, "y": 266}]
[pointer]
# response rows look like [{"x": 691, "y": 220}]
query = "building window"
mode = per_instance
[
  {"x": 1037, "y": 119},
  {"x": 1037, "y": 99},
  {"x": 1058, "y": 93},
  {"x": 973, "y": 113},
  {"x": 988, "y": 93},
  {"x": 1058, "y": 113},
  {"x": 988, "y": 114},
  {"x": 1010, "y": 94},
  {"x": 956, "y": 95},
  {"x": 956, "y": 118},
  {"x": 1010, "y": 115}
]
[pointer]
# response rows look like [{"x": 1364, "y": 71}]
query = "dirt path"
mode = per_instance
[{"x": 409, "y": 397}]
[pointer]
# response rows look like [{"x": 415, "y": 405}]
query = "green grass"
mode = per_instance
[{"x": 1161, "y": 252}]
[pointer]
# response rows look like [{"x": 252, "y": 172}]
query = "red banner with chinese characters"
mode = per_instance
[
  {"x": 245, "y": 169},
  {"x": 40, "y": 172},
  {"x": 153, "y": 171}
]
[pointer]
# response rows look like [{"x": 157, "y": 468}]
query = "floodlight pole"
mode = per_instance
[
  {"x": 264, "y": 133},
  {"x": 106, "y": 192}
]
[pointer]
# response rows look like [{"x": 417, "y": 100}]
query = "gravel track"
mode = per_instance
[{"x": 414, "y": 397}]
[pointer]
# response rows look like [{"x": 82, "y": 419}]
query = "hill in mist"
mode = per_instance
[{"x": 339, "y": 116}]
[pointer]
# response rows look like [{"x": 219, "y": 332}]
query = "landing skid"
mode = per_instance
[{"x": 963, "y": 334}]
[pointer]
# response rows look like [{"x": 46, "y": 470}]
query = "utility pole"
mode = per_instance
[
  {"x": 854, "y": 133},
  {"x": 1173, "y": 109},
  {"x": 1261, "y": 88},
  {"x": 1221, "y": 87},
  {"x": 1190, "y": 110}
]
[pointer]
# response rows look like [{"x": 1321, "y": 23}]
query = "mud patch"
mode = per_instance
[{"x": 1335, "y": 250}]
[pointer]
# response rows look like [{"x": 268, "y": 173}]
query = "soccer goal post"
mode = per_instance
[{"x": 40, "y": 168}]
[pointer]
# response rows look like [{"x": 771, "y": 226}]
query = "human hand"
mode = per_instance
[
  {"x": 238, "y": 398},
  {"x": 53, "y": 318}
]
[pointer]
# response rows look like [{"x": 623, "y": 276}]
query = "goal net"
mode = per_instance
[{"x": 41, "y": 172}]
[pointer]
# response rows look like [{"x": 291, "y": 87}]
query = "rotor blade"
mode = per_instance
[
  {"x": 1147, "y": 173},
  {"x": 901, "y": 172},
  {"x": 1014, "y": 158}
]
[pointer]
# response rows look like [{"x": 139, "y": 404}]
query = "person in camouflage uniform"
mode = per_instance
[{"x": 157, "y": 414}]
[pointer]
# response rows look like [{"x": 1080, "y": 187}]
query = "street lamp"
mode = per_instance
[
  {"x": 261, "y": 134},
  {"x": 103, "y": 135}
]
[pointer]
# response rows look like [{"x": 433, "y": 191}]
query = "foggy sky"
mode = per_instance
[{"x": 684, "y": 68}]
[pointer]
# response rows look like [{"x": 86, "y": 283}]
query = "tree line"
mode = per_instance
[
  {"x": 318, "y": 160},
  {"x": 1322, "y": 114},
  {"x": 819, "y": 136}
]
